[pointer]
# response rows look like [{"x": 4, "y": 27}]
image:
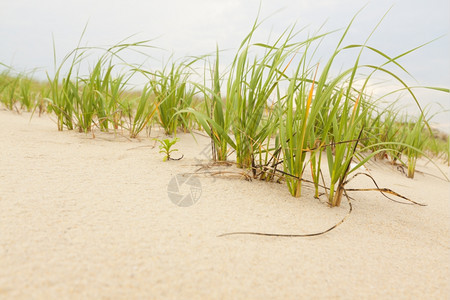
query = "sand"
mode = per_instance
[{"x": 84, "y": 217}]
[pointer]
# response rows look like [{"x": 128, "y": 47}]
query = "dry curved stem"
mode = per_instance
[
  {"x": 294, "y": 235},
  {"x": 213, "y": 164},
  {"x": 206, "y": 169},
  {"x": 264, "y": 168},
  {"x": 239, "y": 174},
  {"x": 383, "y": 191},
  {"x": 170, "y": 158},
  {"x": 321, "y": 146},
  {"x": 223, "y": 174}
]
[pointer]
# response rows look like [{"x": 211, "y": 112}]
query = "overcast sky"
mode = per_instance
[{"x": 194, "y": 27}]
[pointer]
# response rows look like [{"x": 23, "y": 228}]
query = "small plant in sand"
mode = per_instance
[{"x": 165, "y": 146}]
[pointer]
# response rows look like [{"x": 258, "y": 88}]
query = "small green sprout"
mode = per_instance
[{"x": 166, "y": 148}]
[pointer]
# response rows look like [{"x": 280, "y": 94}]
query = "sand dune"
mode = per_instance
[{"x": 84, "y": 217}]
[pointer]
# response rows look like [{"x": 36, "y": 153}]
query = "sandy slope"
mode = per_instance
[{"x": 91, "y": 218}]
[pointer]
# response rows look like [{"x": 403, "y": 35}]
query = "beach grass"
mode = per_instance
[{"x": 276, "y": 107}]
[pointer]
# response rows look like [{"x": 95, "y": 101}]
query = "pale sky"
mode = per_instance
[{"x": 194, "y": 27}]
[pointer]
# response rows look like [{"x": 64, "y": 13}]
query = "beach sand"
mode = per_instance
[{"x": 84, "y": 217}]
